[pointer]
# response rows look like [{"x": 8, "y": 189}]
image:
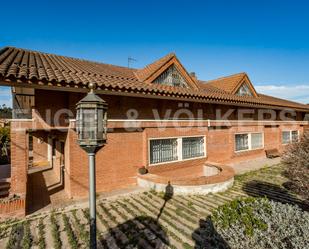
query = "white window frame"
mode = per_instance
[
  {"x": 179, "y": 149},
  {"x": 290, "y": 140},
  {"x": 249, "y": 141}
]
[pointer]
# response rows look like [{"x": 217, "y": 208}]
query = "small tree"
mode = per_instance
[
  {"x": 296, "y": 159},
  {"x": 4, "y": 144},
  {"x": 5, "y": 112}
]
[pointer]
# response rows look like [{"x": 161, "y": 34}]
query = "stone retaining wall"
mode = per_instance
[{"x": 191, "y": 184}]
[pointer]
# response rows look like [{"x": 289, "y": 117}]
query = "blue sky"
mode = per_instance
[{"x": 267, "y": 39}]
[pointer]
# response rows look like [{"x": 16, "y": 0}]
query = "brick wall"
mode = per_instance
[
  {"x": 19, "y": 159},
  {"x": 126, "y": 151},
  {"x": 39, "y": 146},
  {"x": 12, "y": 208},
  {"x": 117, "y": 163}
]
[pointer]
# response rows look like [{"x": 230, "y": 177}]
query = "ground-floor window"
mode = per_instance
[
  {"x": 249, "y": 141},
  {"x": 176, "y": 149},
  {"x": 290, "y": 137},
  {"x": 192, "y": 147},
  {"x": 163, "y": 150}
]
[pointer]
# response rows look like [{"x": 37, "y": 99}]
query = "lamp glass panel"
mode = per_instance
[
  {"x": 89, "y": 124},
  {"x": 100, "y": 123}
]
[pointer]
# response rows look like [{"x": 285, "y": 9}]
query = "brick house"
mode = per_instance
[{"x": 160, "y": 117}]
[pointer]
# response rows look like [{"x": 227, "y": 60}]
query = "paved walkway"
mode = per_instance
[
  {"x": 149, "y": 220},
  {"x": 45, "y": 192},
  {"x": 243, "y": 167}
]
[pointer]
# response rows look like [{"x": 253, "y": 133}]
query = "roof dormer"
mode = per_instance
[
  {"x": 245, "y": 88},
  {"x": 237, "y": 84},
  {"x": 167, "y": 71}
]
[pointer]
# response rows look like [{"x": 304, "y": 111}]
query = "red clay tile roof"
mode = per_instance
[
  {"x": 146, "y": 72},
  {"x": 227, "y": 83},
  {"x": 31, "y": 67}
]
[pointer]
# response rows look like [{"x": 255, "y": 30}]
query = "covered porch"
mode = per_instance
[{"x": 37, "y": 165}]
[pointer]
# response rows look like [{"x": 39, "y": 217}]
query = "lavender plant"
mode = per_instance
[{"x": 257, "y": 223}]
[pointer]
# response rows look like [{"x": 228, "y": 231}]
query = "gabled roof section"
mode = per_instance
[
  {"x": 245, "y": 81},
  {"x": 152, "y": 71},
  {"x": 26, "y": 68},
  {"x": 231, "y": 84},
  {"x": 28, "y": 65},
  {"x": 144, "y": 73}
]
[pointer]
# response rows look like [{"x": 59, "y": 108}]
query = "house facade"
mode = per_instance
[{"x": 160, "y": 117}]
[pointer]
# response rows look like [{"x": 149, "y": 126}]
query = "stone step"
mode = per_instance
[
  {"x": 206, "y": 204},
  {"x": 146, "y": 238},
  {"x": 186, "y": 225},
  {"x": 63, "y": 234},
  {"x": 201, "y": 211},
  {"x": 153, "y": 229},
  {"x": 5, "y": 180},
  {"x": 271, "y": 194},
  {"x": 120, "y": 237},
  {"x": 5, "y": 186},
  {"x": 178, "y": 234},
  {"x": 175, "y": 209},
  {"x": 4, "y": 193}
]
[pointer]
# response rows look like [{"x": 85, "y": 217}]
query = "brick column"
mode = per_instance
[{"x": 19, "y": 160}]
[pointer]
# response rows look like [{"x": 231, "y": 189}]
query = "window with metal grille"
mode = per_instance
[
  {"x": 163, "y": 150},
  {"x": 192, "y": 147},
  {"x": 290, "y": 137},
  {"x": 294, "y": 136},
  {"x": 242, "y": 142},
  {"x": 248, "y": 141},
  {"x": 286, "y": 137}
]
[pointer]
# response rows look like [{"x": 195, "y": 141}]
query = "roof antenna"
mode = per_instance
[{"x": 130, "y": 60}]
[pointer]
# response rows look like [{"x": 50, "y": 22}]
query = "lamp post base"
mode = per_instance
[{"x": 93, "y": 234}]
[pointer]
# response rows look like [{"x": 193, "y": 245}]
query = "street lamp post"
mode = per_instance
[{"x": 91, "y": 125}]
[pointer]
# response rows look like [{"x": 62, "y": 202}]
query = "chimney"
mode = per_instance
[{"x": 192, "y": 74}]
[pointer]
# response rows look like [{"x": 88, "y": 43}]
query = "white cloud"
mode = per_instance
[{"x": 298, "y": 93}]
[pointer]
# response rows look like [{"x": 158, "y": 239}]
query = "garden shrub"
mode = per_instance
[
  {"x": 257, "y": 223},
  {"x": 296, "y": 159},
  {"x": 242, "y": 211}
]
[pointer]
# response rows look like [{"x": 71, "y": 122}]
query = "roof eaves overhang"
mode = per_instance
[{"x": 56, "y": 86}]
